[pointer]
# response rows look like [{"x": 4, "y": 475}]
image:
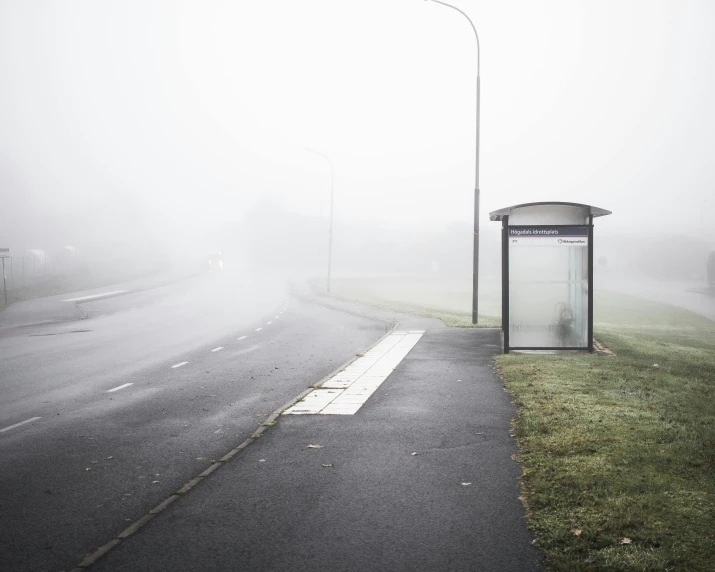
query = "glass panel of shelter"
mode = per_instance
[{"x": 548, "y": 295}]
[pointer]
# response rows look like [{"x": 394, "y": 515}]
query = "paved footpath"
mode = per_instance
[{"x": 421, "y": 477}]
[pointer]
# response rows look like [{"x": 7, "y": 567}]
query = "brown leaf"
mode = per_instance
[
  {"x": 314, "y": 447},
  {"x": 625, "y": 541}
]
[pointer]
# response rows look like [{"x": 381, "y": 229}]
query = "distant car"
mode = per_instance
[{"x": 215, "y": 261}]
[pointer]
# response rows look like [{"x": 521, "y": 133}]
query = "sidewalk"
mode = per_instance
[{"x": 363, "y": 500}]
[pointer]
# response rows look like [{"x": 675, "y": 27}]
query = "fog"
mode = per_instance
[{"x": 163, "y": 129}]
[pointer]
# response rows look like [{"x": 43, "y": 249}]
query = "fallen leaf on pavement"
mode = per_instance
[
  {"x": 110, "y": 457},
  {"x": 314, "y": 447},
  {"x": 154, "y": 482},
  {"x": 413, "y": 453}
]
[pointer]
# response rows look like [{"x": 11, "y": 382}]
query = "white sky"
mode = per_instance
[{"x": 184, "y": 113}]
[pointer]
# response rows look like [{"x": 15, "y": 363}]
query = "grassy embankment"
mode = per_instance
[
  {"x": 449, "y": 300},
  {"x": 82, "y": 279},
  {"x": 618, "y": 452}
]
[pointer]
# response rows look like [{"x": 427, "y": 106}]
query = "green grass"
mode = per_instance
[
  {"x": 445, "y": 298},
  {"x": 622, "y": 447},
  {"x": 613, "y": 448}
]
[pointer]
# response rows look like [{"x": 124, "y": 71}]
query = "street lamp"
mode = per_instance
[
  {"x": 330, "y": 228},
  {"x": 475, "y": 263}
]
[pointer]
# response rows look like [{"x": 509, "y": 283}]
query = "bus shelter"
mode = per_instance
[{"x": 547, "y": 275}]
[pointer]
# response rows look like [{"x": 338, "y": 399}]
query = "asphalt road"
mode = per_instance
[{"x": 111, "y": 428}]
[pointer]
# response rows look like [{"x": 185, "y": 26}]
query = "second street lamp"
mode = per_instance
[
  {"x": 475, "y": 263},
  {"x": 330, "y": 228}
]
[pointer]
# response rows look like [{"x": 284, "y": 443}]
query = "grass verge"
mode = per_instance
[
  {"x": 618, "y": 451},
  {"x": 447, "y": 299}
]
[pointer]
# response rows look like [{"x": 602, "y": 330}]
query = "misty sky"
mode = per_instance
[{"x": 176, "y": 116}]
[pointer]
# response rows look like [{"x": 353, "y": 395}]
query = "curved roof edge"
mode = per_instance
[{"x": 501, "y": 213}]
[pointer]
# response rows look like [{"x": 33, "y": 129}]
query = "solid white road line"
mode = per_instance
[
  {"x": 95, "y": 296},
  {"x": 242, "y": 338},
  {"x": 19, "y": 424},
  {"x": 120, "y": 387},
  {"x": 258, "y": 329},
  {"x": 348, "y": 390},
  {"x": 179, "y": 364},
  {"x": 217, "y": 349}
]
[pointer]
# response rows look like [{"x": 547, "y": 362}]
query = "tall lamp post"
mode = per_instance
[
  {"x": 475, "y": 263},
  {"x": 330, "y": 228}
]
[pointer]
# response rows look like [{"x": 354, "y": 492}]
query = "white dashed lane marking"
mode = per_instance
[
  {"x": 217, "y": 349},
  {"x": 347, "y": 391},
  {"x": 20, "y": 424},
  {"x": 120, "y": 387},
  {"x": 179, "y": 364}
]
